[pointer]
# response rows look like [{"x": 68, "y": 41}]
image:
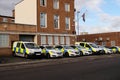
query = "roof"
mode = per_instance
[{"x": 6, "y": 16}]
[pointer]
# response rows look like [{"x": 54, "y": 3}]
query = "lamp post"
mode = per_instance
[{"x": 78, "y": 21}]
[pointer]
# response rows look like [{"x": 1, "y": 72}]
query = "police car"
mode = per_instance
[
  {"x": 107, "y": 50},
  {"x": 115, "y": 49},
  {"x": 68, "y": 51},
  {"x": 51, "y": 52},
  {"x": 25, "y": 49},
  {"x": 91, "y": 46},
  {"x": 82, "y": 50}
]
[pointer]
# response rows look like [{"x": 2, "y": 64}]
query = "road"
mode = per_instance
[{"x": 82, "y": 68}]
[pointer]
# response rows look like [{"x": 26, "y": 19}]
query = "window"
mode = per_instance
[
  {"x": 88, "y": 46},
  {"x": 67, "y": 40},
  {"x": 67, "y": 7},
  {"x": 18, "y": 45},
  {"x": 82, "y": 44},
  {"x": 56, "y": 21},
  {"x": 103, "y": 43},
  {"x": 4, "y": 40},
  {"x": 43, "y": 40},
  {"x": 43, "y": 2},
  {"x": 50, "y": 40},
  {"x": 56, "y": 41},
  {"x": 113, "y": 43},
  {"x": 12, "y": 20},
  {"x": 62, "y": 40},
  {"x": 43, "y": 20},
  {"x": 22, "y": 46},
  {"x": 56, "y": 4},
  {"x": 67, "y": 23},
  {"x": 5, "y": 20}
]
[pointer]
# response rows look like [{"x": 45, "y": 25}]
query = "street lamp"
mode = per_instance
[{"x": 78, "y": 21}]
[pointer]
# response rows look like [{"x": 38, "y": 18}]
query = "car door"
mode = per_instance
[
  {"x": 22, "y": 49},
  {"x": 18, "y": 48}
]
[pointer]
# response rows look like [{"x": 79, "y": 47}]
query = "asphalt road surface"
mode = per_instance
[{"x": 81, "y": 68}]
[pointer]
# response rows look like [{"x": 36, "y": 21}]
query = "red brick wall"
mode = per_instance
[
  {"x": 9, "y": 19},
  {"x": 62, "y": 14},
  {"x": 113, "y": 36},
  {"x": 5, "y": 51},
  {"x": 17, "y": 27}
]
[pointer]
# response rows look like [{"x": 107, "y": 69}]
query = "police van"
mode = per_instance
[{"x": 25, "y": 49}]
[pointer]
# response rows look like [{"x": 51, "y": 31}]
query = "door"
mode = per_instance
[{"x": 29, "y": 38}]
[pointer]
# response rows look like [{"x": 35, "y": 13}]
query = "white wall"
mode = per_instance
[{"x": 26, "y": 12}]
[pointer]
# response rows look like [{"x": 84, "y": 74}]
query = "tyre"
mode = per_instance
[
  {"x": 48, "y": 56},
  {"x": 81, "y": 53},
  {"x": 26, "y": 56},
  {"x": 66, "y": 54},
  {"x": 14, "y": 54}
]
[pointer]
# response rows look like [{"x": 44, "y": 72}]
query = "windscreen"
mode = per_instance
[
  {"x": 94, "y": 45},
  {"x": 31, "y": 45},
  {"x": 49, "y": 47}
]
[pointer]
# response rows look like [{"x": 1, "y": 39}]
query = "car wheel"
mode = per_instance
[
  {"x": 14, "y": 54},
  {"x": 48, "y": 56},
  {"x": 66, "y": 54},
  {"x": 26, "y": 56},
  {"x": 81, "y": 53}
]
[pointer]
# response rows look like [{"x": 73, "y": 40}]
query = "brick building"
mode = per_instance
[
  {"x": 42, "y": 21},
  {"x": 53, "y": 18},
  {"x": 6, "y": 19},
  {"x": 106, "y": 39}
]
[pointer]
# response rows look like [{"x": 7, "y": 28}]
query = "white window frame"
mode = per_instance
[
  {"x": 67, "y": 23},
  {"x": 56, "y": 4},
  {"x": 43, "y": 3},
  {"x": 113, "y": 43},
  {"x": 56, "y": 40},
  {"x": 4, "y": 40},
  {"x": 67, "y": 40},
  {"x": 62, "y": 40},
  {"x": 56, "y": 22},
  {"x": 5, "y": 19},
  {"x": 43, "y": 22},
  {"x": 50, "y": 40},
  {"x": 103, "y": 43},
  {"x": 67, "y": 7},
  {"x": 43, "y": 40}
]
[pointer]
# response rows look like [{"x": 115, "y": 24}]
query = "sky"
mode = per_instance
[{"x": 100, "y": 15}]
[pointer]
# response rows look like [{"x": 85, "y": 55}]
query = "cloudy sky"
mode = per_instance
[{"x": 101, "y": 15}]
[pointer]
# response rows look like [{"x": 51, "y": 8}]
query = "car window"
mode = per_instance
[
  {"x": 68, "y": 47},
  {"x": 18, "y": 44},
  {"x": 82, "y": 44},
  {"x": 60, "y": 47},
  {"x": 87, "y": 46},
  {"x": 42, "y": 47},
  {"x": 93, "y": 45},
  {"x": 49, "y": 47},
  {"x": 73, "y": 47},
  {"x": 22, "y": 46},
  {"x": 31, "y": 45}
]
